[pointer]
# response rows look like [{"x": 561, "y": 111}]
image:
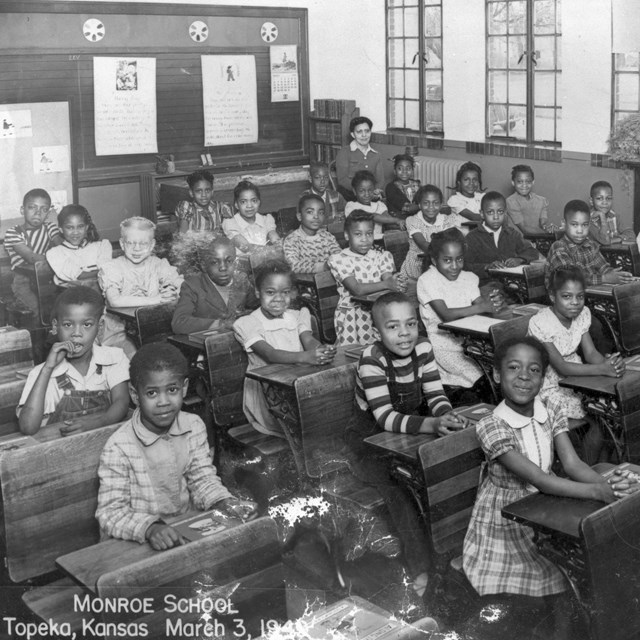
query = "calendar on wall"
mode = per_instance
[{"x": 284, "y": 73}]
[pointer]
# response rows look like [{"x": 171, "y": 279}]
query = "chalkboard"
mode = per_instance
[
  {"x": 35, "y": 147},
  {"x": 46, "y": 56}
]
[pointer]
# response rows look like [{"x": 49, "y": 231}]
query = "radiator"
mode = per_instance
[{"x": 437, "y": 171}]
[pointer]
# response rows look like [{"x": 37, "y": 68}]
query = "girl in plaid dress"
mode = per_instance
[
  {"x": 359, "y": 270},
  {"x": 519, "y": 439}
]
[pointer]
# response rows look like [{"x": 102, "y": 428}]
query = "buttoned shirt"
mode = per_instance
[
  {"x": 254, "y": 233},
  {"x": 587, "y": 256},
  {"x": 145, "y": 476}
]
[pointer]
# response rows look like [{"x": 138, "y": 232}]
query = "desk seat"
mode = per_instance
[
  {"x": 55, "y": 602},
  {"x": 247, "y": 436}
]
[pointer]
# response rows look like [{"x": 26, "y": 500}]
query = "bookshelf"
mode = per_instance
[{"x": 329, "y": 127}]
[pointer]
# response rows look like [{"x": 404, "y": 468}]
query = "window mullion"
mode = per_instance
[
  {"x": 530, "y": 68},
  {"x": 422, "y": 95}
]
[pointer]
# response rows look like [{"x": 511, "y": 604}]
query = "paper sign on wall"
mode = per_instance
[
  {"x": 284, "y": 73},
  {"x": 230, "y": 100},
  {"x": 125, "y": 105}
]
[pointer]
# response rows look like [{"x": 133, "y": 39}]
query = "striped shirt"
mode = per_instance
[
  {"x": 372, "y": 388},
  {"x": 38, "y": 240},
  {"x": 207, "y": 218}
]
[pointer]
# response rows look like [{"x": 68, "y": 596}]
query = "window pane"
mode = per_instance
[
  {"x": 396, "y": 114},
  {"x": 411, "y": 81},
  {"x": 433, "y": 116},
  {"x": 411, "y": 22},
  {"x": 497, "y": 120},
  {"x": 545, "y": 89},
  {"x": 396, "y": 53},
  {"x": 395, "y": 3},
  {"x": 433, "y": 53},
  {"x": 497, "y": 17},
  {"x": 558, "y": 125},
  {"x": 497, "y": 53},
  {"x": 518, "y": 87},
  {"x": 517, "y": 126},
  {"x": 516, "y": 49},
  {"x": 517, "y": 17},
  {"x": 627, "y": 91},
  {"x": 544, "y": 124},
  {"x": 433, "y": 85},
  {"x": 396, "y": 25},
  {"x": 497, "y": 86},
  {"x": 545, "y": 52},
  {"x": 432, "y": 21},
  {"x": 396, "y": 84},
  {"x": 413, "y": 115},
  {"x": 544, "y": 19},
  {"x": 410, "y": 52},
  {"x": 627, "y": 61}
]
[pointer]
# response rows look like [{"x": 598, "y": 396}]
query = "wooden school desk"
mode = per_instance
[
  {"x": 615, "y": 402},
  {"x": 305, "y": 419},
  {"x": 618, "y": 307},
  {"x": 150, "y": 323},
  {"x": 525, "y": 283},
  {"x": 597, "y": 548},
  {"x": 624, "y": 256},
  {"x": 541, "y": 240}
]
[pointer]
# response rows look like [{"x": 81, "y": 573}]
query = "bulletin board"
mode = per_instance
[
  {"x": 47, "y": 53},
  {"x": 35, "y": 147}
]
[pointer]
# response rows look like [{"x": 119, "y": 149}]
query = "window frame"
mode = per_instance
[
  {"x": 614, "y": 76},
  {"x": 530, "y": 71},
  {"x": 422, "y": 68}
]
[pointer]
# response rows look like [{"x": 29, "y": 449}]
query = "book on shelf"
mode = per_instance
[{"x": 330, "y": 108}]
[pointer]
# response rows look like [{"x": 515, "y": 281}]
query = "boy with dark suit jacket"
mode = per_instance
[{"x": 214, "y": 298}]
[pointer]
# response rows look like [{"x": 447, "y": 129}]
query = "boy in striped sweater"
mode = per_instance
[
  {"x": 27, "y": 243},
  {"x": 398, "y": 389}
]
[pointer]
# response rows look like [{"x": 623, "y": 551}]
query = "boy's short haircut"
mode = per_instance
[
  {"x": 306, "y": 197},
  {"x": 522, "y": 168},
  {"x": 35, "y": 193},
  {"x": 439, "y": 239},
  {"x": 362, "y": 176},
  {"x": 245, "y": 185},
  {"x": 573, "y": 206},
  {"x": 78, "y": 296},
  {"x": 600, "y": 184},
  {"x": 559, "y": 277},
  {"x": 205, "y": 253},
  {"x": 356, "y": 216},
  {"x": 157, "y": 356},
  {"x": 427, "y": 188},
  {"x": 318, "y": 165},
  {"x": 199, "y": 176},
  {"x": 503, "y": 347},
  {"x": 392, "y": 297},
  {"x": 491, "y": 196},
  {"x": 359, "y": 120},
  {"x": 271, "y": 268},
  {"x": 137, "y": 222}
]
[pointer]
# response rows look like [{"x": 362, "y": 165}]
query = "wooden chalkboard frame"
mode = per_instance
[{"x": 120, "y": 169}]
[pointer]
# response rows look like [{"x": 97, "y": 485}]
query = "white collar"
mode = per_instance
[
  {"x": 260, "y": 220},
  {"x": 354, "y": 145},
  {"x": 353, "y": 254},
  {"x": 516, "y": 420}
]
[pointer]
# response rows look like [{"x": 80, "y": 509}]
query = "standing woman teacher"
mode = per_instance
[{"x": 358, "y": 156}]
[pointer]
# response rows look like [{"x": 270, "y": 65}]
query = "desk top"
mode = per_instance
[
  {"x": 554, "y": 514},
  {"x": 285, "y": 375},
  {"x": 305, "y": 278},
  {"x": 599, "y": 290},
  {"x": 126, "y": 313},
  {"x": 368, "y": 299},
  {"x": 597, "y": 384},
  {"x": 512, "y": 271},
  {"x": 182, "y": 341},
  {"x": 403, "y": 445},
  {"x": 86, "y": 565},
  {"x": 475, "y": 325}
]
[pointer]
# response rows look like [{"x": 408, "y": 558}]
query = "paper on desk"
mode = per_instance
[
  {"x": 475, "y": 323},
  {"x": 519, "y": 269}
]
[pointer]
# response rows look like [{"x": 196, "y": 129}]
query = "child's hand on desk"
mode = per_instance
[
  {"x": 616, "y": 364},
  {"x": 168, "y": 293},
  {"x": 162, "y": 536},
  {"x": 321, "y": 355},
  {"x": 617, "y": 277},
  {"x": 86, "y": 423},
  {"x": 496, "y": 264},
  {"x": 449, "y": 423},
  {"x": 512, "y": 262},
  {"x": 624, "y": 482},
  {"x": 244, "y": 509}
]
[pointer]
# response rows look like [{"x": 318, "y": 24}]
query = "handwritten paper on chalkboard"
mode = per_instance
[
  {"x": 230, "y": 100},
  {"x": 125, "y": 105}
]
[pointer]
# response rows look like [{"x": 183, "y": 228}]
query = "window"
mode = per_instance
[
  {"x": 626, "y": 85},
  {"x": 414, "y": 64},
  {"x": 523, "y": 70}
]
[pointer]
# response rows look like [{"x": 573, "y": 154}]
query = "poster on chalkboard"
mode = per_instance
[
  {"x": 230, "y": 100},
  {"x": 283, "y": 61},
  {"x": 125, "y": 105}
]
